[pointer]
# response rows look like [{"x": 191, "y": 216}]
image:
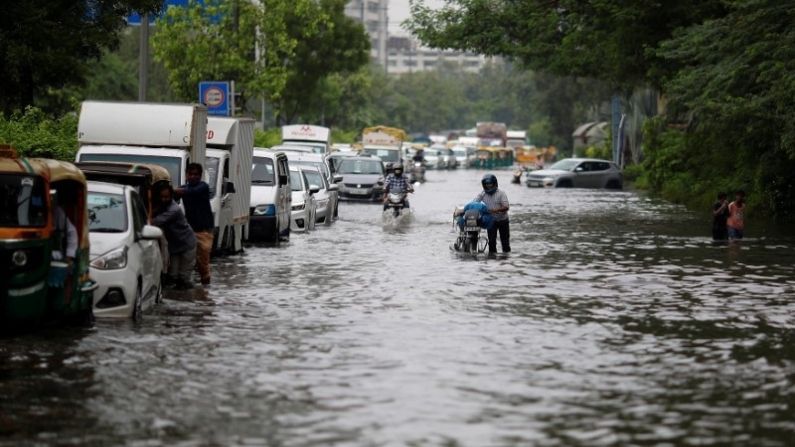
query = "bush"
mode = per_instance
[
  {"x": 267, "y": 138},
  {"x": 34, "y": 134}
]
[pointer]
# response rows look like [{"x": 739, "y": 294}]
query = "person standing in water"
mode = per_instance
[
  {"x": 497, "y": 202},
  {"x": 195, "y": 196},
  {"x": 720, "y": 213},
  {"x": 736, "y": 220}
]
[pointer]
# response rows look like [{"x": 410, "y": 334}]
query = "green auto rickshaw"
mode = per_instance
[{"x": 44, "y": 260}]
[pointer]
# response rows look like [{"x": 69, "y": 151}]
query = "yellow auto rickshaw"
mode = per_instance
[
  {"x": 486, "y": 157},
  {"x": 147, "y": 179},
  {"x": 40, "y": 281}
]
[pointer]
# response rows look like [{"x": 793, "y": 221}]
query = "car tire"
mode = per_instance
[
  {"x": 565, "y": 183},
  {"x": 138, "y": 312}
]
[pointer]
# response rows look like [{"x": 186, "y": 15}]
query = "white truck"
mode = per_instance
[
  {"x": 316, "y": 137},
  {"x": 230, "y": 147},
  {"x": 516, "y": 139}
]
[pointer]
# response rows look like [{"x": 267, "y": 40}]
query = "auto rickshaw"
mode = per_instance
[
  {"x": 35, "y": 285},
  {"x": 504, "y": 157},
  {"x": 486, "y": 158},
  {"x": 147, "y": 179}
]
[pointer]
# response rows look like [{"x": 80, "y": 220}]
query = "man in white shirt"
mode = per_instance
[{"x": 497, "y": 202}]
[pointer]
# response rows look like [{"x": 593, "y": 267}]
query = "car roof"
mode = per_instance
[
  {"x": 587, "y": 159},
  {"x": 267, "y": 153},
  {"x": 295, "y": 148},
  {"x": 363, "y": 159},
  {"x": 104, "y": 187}
]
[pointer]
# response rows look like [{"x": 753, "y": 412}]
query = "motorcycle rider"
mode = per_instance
[
  {"x": 497, "y": 202},
  {"x": 397, "y": 181}
]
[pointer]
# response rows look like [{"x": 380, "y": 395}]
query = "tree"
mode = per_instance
[
  {"x": 299, "y": 44},
  {"x": 46, "y": 44},
  {"x": 602, "y": 39}
]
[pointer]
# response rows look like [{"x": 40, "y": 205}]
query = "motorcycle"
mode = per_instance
[
  {"x": 470, "y": 222},
  {"x": 396, "y": 202},
  {"x": 418, "y": 172}
]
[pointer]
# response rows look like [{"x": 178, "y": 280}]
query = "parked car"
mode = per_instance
[
  {"x": 125, "y": 258},
  {"x": 362, "y": 178},
  {"x": 449, "y": 158},
  {"x": 326, "y": 199},
  {"x": 271, "y": 196},
  {"x": 464, "y": 155},
  {"x": 335, "y": 158},
  {"x": 578, "y": 173},
  {"x": 320, "y": 163},
  {"x": 433, "y": 158},
  {"x": 304, "y": 207}
]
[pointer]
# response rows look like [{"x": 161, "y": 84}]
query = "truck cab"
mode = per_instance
[{"x": 230, "y": 143}]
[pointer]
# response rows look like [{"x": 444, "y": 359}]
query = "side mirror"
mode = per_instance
[
  {"x": 151, "y": 232},
  {"x": 578, "y": 169},
  {"x": 337, "y": 178},
  {"x": 313, "y": 189},
  {"x": 282, "y": 180},
  {"x": 333, "y": 187},
  {"x": 229, "y": 187}
]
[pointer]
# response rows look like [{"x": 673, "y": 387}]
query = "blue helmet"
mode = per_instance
[{"x": 489, "y": 183}]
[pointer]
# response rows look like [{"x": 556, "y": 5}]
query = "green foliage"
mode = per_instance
[
  {"x": 282, "y": 51},
  {"x": 267, "y": 138},
  {"x": 34, "y": 134},
  {"x": 46, "y": 45},
  {"x": 343, "y": 136}
]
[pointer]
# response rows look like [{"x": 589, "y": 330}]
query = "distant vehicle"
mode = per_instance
[
  {"x": 271, "y": 195},
  {"x": 385, "y": 143},
  {"x": 433, "y": 158},
  {"x": 326, "y": 198},
  {"x": 335, "y": 158},
  {"x": 295, "y": 148},
  {"x": 362, "y": 178},
  {"x": 320, "y": 163},
  {"x": 516, "y": 138},
  {"x": 449, "y": 158},
  {"x": 491, "y": 134},
  {"x": 304, "y": 208},
  {"x": 464, "y": 155},
  {"x": 126, "y": 261},
  {"x": 578, "y": 173},
  {"x": 317, "y": 138}
]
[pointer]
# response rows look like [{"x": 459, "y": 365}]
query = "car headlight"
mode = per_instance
[
  {"x": 264, "y": 210},
  {"x": 299, "y": 207},
  {"x": 19, "y": 258},
  {"x": 112, "y": 260},
  {"x": 548, "y": 179}
]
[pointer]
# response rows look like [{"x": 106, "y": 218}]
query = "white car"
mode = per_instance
[
  {"x": 126, "y": 261},
  {"x": 304, "y": 208},
  {"x": 326, "y": 199}
]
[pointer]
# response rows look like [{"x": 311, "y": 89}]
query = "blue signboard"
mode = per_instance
[
  {"x": 216, "y": 95},
  {"x": 134, "y": 19}
]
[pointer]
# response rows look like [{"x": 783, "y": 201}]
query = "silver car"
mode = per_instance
[{"x": 578, "y": 173}]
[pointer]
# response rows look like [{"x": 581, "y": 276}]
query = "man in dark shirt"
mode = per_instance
[
  {"x": 196, "y": 199},
  {"x": 181, "y": 240},
  {"x": 720, "y": 214}
]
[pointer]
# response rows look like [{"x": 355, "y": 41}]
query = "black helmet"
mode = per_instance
[
  {"x": 489, "y": 183},
  {"x": 398, "y": 169}
]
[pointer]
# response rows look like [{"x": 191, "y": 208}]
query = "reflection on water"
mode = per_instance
[{"x": 614, "y": 321}]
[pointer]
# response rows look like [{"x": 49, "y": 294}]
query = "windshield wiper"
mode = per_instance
[
  {"x": 105, "y": 230},
  {"x": 262, "y": 182}
]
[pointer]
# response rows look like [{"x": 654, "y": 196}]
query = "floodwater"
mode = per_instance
[{"x": 615, "y": 321}]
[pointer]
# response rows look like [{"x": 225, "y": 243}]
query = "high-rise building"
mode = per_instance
[
  {"x": 406, "y": 55},
  {"x": 373, "y": 15}
]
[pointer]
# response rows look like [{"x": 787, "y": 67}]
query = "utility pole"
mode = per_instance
[{"x": 143, "y": 58}]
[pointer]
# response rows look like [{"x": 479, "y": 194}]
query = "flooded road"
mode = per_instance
[{"x": 615, "y": 321}]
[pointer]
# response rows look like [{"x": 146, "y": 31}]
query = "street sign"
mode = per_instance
[{"x": 217, "y": 96}]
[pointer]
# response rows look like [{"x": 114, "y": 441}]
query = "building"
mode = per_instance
[
  {"x": 373, "y": 15},
  {"x": 405, "y": 55}
]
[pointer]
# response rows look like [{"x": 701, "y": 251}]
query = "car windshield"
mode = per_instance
[
  {"x": 211, "y": 166},
  {"x": 23, "y": 200},
  {"x": 311, "y": 164},
  {"x": 107, "y": 213},
  {"x": 296, "y": 181},
  {"x": 460, "y": 152},
  {"x": 368, "y": 167},
  {"x": 383, "y": 154},
  {"x": 565, "y": 165},
  {"x": 314, "y": 178},
  {"x": 314, "y": 148},
  {"x": 262, "y": 171},
  {"x": 172, "y": 164}
]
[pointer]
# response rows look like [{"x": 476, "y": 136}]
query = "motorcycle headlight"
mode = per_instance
[
  {"x": 19, "y": 258},
  {"x": 112, "y": 260},
  {"x": 264, "y": 210}
]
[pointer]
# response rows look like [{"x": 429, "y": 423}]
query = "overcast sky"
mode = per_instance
[{"x": 399, "y": 11}]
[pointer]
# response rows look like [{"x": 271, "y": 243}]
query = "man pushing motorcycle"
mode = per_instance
[{"x": 497, "y": 202}]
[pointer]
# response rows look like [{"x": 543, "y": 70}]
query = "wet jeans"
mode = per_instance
[
  {"x": 181, "y": 265},
  {"x": 204, "y": 245},
  {"x": 502, "y": 227}
]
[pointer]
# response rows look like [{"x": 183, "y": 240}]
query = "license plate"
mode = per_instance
[
  {"x": 471, "y": 228},
  {"x": 359, "y": 191},
  {"x": 534, "y": 183}
]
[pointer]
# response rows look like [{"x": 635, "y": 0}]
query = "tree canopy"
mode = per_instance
[
  {"x": 46, "y": 44},
  {"x": 276, "y": 49}
]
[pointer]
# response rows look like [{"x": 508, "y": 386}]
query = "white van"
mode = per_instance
[{"x": 271, "y": 197}]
